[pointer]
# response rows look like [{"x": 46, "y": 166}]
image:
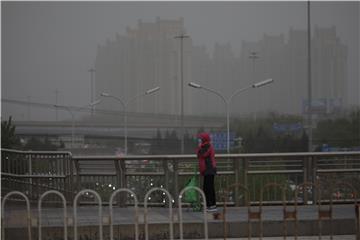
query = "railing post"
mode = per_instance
[
  {"x": 121, "y": 179},
  {"x": 122, "y": 165},
  {"x": 78, "y": 187},
  {"x": 236, "y": 165},
  {"x": 306, "y": 171},
  {"x": 71, "y": 182},
  {"x": 357, "y": 221},
  {"x": 167, "y": 176},
  {"x": 118, "y": 180},
  {"x": 314, "y": 179},
  {"x": 30, "y": 173},
  {"x": 176, "y": 180},
  {"x": 245, "y": 178}
]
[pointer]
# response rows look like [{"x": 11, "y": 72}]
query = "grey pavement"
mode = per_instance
[
  {"x": 88, "y": 216},
  {"x": 339, "y": 237}
]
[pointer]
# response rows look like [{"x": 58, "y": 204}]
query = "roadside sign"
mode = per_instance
[{"x": 219, "y": 140}]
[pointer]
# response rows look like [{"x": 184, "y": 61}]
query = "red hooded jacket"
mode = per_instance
[{"x": 206, "y": 155}]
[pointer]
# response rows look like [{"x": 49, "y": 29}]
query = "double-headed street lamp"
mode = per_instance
[
  {"x": 125, "y": 105},
  {"x": 73, "y": 117},
  {"x": 228, "y": 101}
]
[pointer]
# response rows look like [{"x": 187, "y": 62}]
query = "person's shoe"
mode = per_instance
[{"x": 212, "y": 209}]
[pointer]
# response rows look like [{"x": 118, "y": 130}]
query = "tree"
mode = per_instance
[
  {"x": 157, "y": 141},
  {"x": 37, "y": 145},
  {"x": 8, "y": 136},
  {"x": 341, "y": 132}
]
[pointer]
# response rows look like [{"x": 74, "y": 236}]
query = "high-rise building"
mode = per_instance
[
  {"x": 297, "y": 70},
  {"x": 286, "y": 63},
  {"x": 149, "y": 55},
  {"x": 145, "y": 57},
  {"x": 329, "y": 64}
]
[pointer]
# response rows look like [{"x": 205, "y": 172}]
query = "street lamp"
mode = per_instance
[
  {"x": 125, "y": 105},
  {"x": 254, "y": 56},
  {"x": 73, "y": 117},
  {"x": 182, "y": 37},
  {"x": 228, "y": 101},
  {"x": 92, "y": 71}
]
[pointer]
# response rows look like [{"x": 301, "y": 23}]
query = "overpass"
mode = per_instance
[{"x": 112, "y": 129}]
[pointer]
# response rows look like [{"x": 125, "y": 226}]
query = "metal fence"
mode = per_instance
[
  {"x": 250, "y": 180},
  {"x": 172, "y": 172},
  {"x": 36, "y": 172},
  {"x": 257, "y": 215}
]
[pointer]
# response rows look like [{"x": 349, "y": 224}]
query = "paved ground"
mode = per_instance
[
  {"x": 88, "y": 216},
  {"x": 340, "y": 237},
  {"x": 88, "y": 222}
]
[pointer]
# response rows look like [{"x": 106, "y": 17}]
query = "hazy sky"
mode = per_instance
[{"x": 51, "y": 45}]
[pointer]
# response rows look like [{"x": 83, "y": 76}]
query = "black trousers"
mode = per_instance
[{"x": 209, "y": 190}]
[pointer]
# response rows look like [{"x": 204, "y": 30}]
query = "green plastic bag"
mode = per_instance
[{"x": 191, "y": 195}]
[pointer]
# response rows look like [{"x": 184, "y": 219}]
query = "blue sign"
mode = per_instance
[
  {"x": 318, "y": 106},
  {"x": 287, "y": 127},
  {"x": 219, "y": 140}
]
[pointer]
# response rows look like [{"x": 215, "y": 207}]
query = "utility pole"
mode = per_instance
[
  {"x": 309, "y": 79},
  {"x": 56, "y": 102},
  {"x": 92, "y": 71},
  {"x": 253, "y": 56},
  {"x": 181, "y": 37},
  {"x": 29, "y": 107}
]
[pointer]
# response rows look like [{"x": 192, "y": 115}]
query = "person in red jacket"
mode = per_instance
[{"x": 207, "y": 166}]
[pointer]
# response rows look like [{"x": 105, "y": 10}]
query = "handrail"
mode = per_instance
[
  {"x": 36, "y": 152},
  {"x": 232, "y": 155},
  {"x": 71, "y": 171}
]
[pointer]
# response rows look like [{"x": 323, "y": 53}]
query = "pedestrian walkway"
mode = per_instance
[
  {"x": 339, "y": 237},
  {"x": 193, "y": 222},
  {"x": 88, "y": 215}
]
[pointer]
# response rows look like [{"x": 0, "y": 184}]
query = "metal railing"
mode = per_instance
[
  {"x": 74, "y": 220},
  {"x": 253, "y": 170},
  {"x": 252, "y": 215},
  {"x": 36, "y": 172}
]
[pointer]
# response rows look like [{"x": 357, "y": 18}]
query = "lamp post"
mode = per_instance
[
  {"x": 125, "y": 105},
  {"x": 92, "y": 71},
  {"x": 227, "y": 101},
  {"x": 309, "y": 115},
  {"x": 182, "y": 37},
  {"x": 56, "y": 102},
  {"x": 73, "y": 117},
  {"x": 253, "y": 56}
]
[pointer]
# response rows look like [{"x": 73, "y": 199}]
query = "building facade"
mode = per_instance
[
  {"x": 145, "y": 57},
  {"x": 149, "y": 56}
]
